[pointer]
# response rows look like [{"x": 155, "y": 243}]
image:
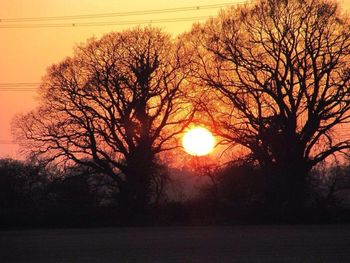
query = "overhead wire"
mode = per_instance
[
  {"x": 8, "y": 142},
  {"x": 121, "y": 14},
  {"x": 19, "y": 86},
  {"x": 7, "y": 22},
  {"x": 20, "y": 90},
  {"x": 112, "y": 23}
]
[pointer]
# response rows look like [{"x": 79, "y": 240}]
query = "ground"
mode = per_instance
[{"x": 317, "y": 243}]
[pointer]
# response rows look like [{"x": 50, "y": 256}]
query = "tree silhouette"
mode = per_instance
[
  {"x": 280, "y": 73},
  {"x": 113, "y": 106},
  {"x": 22, "y": 184}
]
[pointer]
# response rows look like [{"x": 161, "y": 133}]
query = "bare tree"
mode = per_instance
[
  {"x": 113, "y": 106},
  {"x": 280, "y": 73}
]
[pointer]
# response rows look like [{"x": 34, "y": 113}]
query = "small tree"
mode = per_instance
[
  {"x": 280, "y": 72},
  {"x": 113, "y": 107},
  {"x": 22, "y": 183}
]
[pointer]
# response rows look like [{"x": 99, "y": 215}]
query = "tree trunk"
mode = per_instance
[
  {"x": 286, "y": 189},
  {"x": 135, "y": 193}
]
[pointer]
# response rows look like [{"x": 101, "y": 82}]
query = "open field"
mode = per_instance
[{"x": 319, "y": 243}]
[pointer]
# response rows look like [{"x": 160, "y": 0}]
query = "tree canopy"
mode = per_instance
[
  {"x": 280, "y": 71},
  {"x": 113, "y": 106},
  {"x": 272, "y": 76}
]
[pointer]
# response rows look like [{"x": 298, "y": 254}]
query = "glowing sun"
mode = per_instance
[{"x": 198, "y": 141}]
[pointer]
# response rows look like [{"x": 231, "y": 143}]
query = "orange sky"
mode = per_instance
[{"x": 25, "y": 53}]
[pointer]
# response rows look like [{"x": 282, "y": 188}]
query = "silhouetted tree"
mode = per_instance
[
  {"x": 71, "y": 196},
  {"x": 113, "y": 106},
  {"x": 159, "y": 182},
  {"x": 22, "y": 183},
  {"x": 280, "y": 75},
  {"x": 241, "y": 184},
  {"x": 12, "y": 183},
  {"x": 329, "y": 184}
]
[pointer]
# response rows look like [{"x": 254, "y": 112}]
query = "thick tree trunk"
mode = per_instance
[
  {"x": 286, "y": 189},
  {"x": 135, "y": 192}
]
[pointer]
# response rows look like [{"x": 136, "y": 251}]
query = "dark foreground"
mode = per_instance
[{"x": 323, "y": 243}]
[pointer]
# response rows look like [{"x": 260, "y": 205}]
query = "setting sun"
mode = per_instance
[{"x": 198, "y": 141}]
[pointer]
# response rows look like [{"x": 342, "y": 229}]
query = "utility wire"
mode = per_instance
[
  {"x": 19, "y": 86},
  {"x": 19, "y": 90},
  {"x": 7, "y": 142},
  {"x": 89, "y": 24},
  {"x": 120, "y": 14}
]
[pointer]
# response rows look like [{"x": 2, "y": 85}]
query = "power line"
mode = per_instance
[
  {"x": 19, "y": 86},
  {"x": 11, "y": 84},
  {"x": 20, "y": 90},
  {"x": 131, "y": 22},
  {"x": 120, "y": 14},
  {"x": 7, "y": 142}
]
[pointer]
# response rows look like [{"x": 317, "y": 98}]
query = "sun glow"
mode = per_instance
[{"x": 198, "y": 141}]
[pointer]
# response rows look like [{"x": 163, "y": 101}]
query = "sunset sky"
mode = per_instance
[{"x": 25, "y": 53}]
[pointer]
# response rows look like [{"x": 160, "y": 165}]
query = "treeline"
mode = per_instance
[
  {"x": 270, "y": 78},
  {"x": 35, "y": 195}
]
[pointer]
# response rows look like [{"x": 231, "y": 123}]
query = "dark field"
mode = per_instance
[{"x": 323, "y": 243}]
